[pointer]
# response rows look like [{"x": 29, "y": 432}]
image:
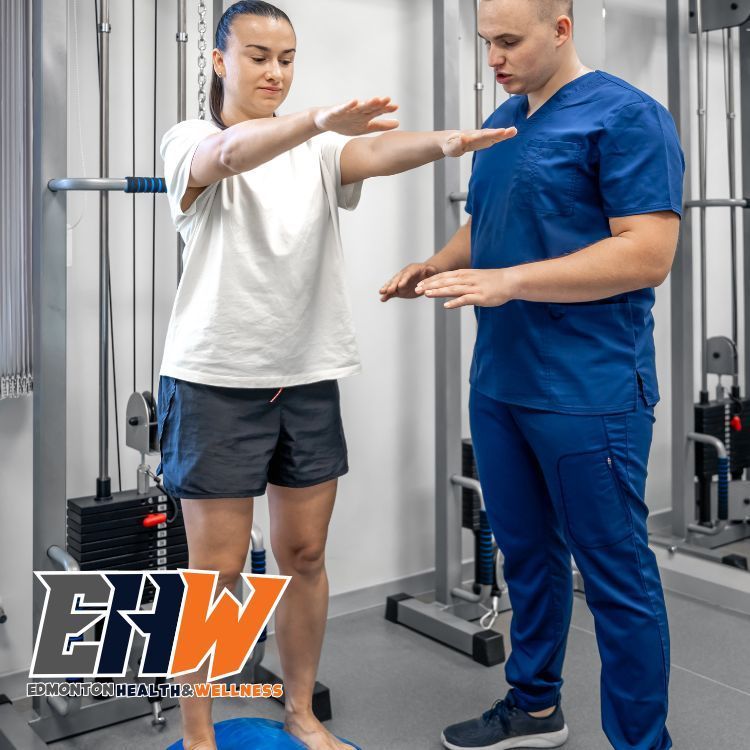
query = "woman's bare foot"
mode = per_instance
[
  {"x": 199, "y": 743},
  {"x": 308, "y": 729}
]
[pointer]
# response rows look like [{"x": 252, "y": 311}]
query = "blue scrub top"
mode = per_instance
[{"x": 599, "y": 148}]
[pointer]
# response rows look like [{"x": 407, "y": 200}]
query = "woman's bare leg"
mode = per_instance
[
  {"x": 299, "y": 529},
  {"x": 218, "y": 535}
]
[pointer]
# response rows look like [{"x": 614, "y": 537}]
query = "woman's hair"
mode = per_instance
[{"x": 223, "y": 30}]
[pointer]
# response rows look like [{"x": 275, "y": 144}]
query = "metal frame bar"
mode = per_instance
[
  {"x": 103, "y": 488},
  {"x": 447, "y": 325},
  {"x": 95, "y": 184},
  {"x": 744, "y": 67},
  {"x": 218, "y": 11},
  {"x": 701, "y": 45},
  {"x": 719, "y": 203},
  {"x": 683, "y": 383},
  {"x": 182, "y": 39},
  {"x": 49, "y": 71}
]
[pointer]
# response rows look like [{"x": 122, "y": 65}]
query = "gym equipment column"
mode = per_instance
[{"x": 438, "y": 620}]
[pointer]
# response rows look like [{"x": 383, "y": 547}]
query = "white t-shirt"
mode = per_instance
[{"x": 262, "y": 302}]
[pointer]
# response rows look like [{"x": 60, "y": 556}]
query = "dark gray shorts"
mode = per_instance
[{"x": 230, "y": 442}]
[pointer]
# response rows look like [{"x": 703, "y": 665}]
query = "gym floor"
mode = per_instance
[{"x": 393, "y": 689}]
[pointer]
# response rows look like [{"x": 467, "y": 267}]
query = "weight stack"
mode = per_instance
[
  {"x": 111, "y": 535},
  {"x": 713, "y": 419},
  {"x": 740, "y": 440},
  {"x": 710, "y": 419}
]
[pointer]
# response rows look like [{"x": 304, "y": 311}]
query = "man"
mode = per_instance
[{"x": 573, "y": 223}]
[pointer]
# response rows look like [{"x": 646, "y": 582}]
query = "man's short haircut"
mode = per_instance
[{"x": 549, "y": 10}]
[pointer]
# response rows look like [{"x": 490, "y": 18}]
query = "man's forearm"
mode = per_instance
[
  {"x": 612, "y": 266},
  {"x": 456, "y": 253},
  {"x": 638, "y": 255}
]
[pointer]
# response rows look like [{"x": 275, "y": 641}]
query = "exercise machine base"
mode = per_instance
[
  {"x": 485, "y": 647},
  {"x": 93, "y": 715},
  {"x": 15, "y": 731}
]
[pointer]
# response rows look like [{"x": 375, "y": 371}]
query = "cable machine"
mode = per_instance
[
  {"x": 106, "y": 530},
  {"x": 711, "y": 437},
  {"x": 136, "y": 529}
]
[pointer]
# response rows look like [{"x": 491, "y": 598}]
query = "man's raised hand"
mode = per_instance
[{"x": 403, "y": 284}]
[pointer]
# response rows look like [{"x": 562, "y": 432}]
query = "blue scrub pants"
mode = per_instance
[{"x": 556, "y": 484}]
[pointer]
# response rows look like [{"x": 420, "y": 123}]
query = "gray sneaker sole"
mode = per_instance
[{"x": 550, "y": 739}]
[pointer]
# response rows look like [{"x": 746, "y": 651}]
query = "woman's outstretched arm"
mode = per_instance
[
  {"x": 251, "y": 143},
  {"x": 392, "y": 153}
]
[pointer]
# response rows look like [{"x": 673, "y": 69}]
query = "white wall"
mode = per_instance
[{"x": 383, "y": 525}]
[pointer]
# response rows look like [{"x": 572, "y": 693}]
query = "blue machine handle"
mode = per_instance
[
  {"x": 145, "y": 185},
  {"x": 258, "y": 567},
  {"x": 723, "y": 488}
]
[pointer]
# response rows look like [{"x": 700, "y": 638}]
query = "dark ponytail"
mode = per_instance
[{"x": 223, "y": 30}]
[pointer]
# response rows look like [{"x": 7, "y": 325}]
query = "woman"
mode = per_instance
[{"x": 261, "y": 329}]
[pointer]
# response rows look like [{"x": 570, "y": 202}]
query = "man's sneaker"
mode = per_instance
[{"x": 506, "y": 726}]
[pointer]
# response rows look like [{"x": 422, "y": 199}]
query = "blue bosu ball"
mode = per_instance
[{"x": 249, "y": 734}]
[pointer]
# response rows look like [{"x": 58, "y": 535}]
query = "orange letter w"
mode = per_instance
[{"x": 225, "y": 631}]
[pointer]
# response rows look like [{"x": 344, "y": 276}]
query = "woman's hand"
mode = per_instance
[
  {"x": 460, "y": 142},
  {"x": 355, "y": 117},
  {"x": 470, "y": 286},
  {"x": 404, "y": 282}
]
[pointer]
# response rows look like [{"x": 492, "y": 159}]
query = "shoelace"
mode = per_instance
[{"x": 500, "y": 713}]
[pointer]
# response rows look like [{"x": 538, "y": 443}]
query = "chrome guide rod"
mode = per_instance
[
  {"x": 103, "y": 33},
  {"x": 702, "y": 187}
]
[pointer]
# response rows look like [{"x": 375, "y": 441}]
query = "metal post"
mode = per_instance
[
  {"x": 447, "y": 322},
  {"x": 182, "y": 39},
  {"x": 681, "y": 285},
  {"x": 744, "y": 65},
  {"x": 103, "y": 489},
  {"x": 702, "y": 178},
  {"x": 479, "y": 71},
  {"x": 732, "y": 158},
  {"x": 218, "y": 10},
  {"x": 49, "y": 74}
]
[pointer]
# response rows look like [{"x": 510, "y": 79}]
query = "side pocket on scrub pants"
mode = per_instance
[{"x": 594, "y": 506}]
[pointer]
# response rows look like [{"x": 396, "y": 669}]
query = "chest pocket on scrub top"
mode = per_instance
[{"x": 548, "y": 177}]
